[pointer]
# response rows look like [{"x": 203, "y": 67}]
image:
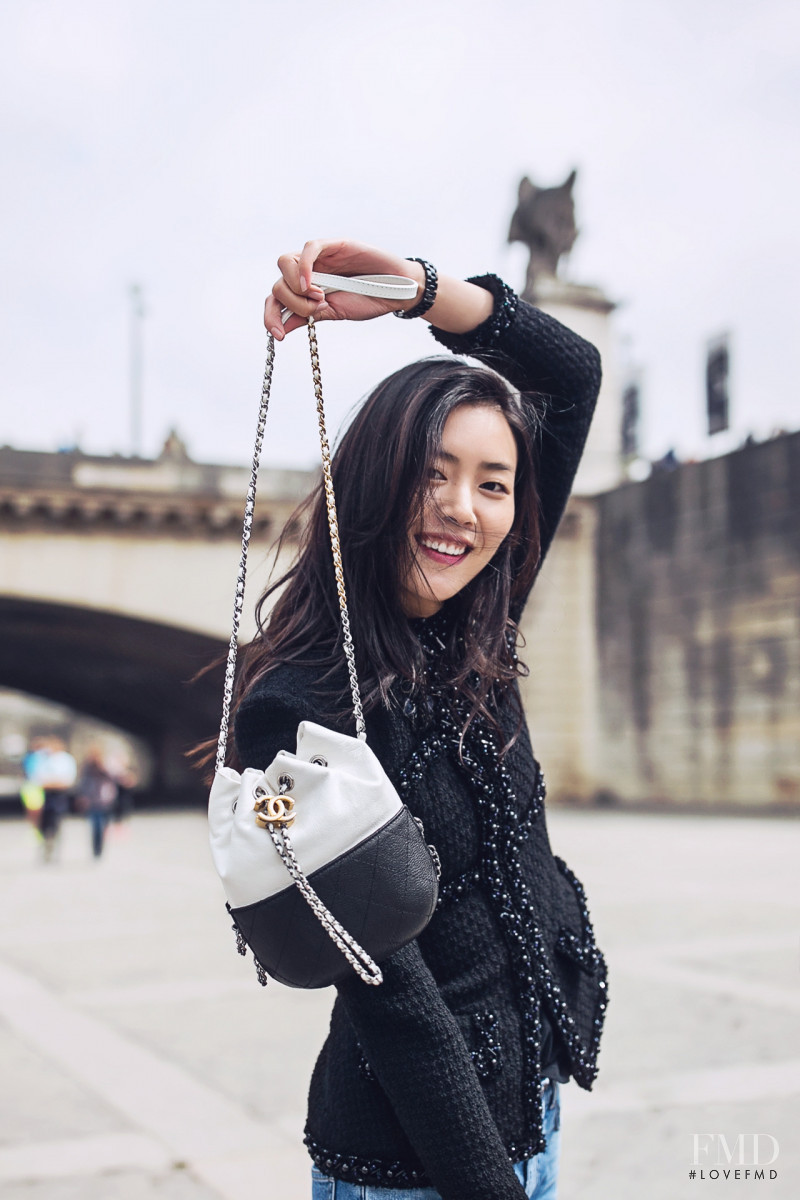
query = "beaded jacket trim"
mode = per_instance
[{"x": 505, "y": 831}]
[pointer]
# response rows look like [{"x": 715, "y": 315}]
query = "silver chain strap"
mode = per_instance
[
  {"x": 333, "y": 526},
  {"x": 249, "y": 509},
  {"x": 364, "y": 966}
]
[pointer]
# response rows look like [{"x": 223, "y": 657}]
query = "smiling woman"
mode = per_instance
[
  {"x": 469, "y": 510},
  {"x": 390, "y": 479},
  {"x": 450, "y": 482}
]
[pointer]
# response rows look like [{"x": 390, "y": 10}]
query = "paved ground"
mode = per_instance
[{"x": 139, "y": 1057}]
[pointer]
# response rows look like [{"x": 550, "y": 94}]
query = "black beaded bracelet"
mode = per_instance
[{"x": 428, "y": 296}]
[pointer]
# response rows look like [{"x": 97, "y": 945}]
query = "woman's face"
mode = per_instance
[{"x": 468, "y": 511}]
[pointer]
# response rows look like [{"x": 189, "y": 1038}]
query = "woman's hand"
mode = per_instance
[{"x": 295, "y": 291}]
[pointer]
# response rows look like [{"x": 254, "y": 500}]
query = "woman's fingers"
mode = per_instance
[
  {"x": 282, "y": 298},
  {"x": 295, "y": 292},
  {"x": 273, "y": 322},
  {"x": 296, "y": 272},
  {"x": 297, "y": 269},
  {"x": 317, "y": 249},
  {"x": 304, "y": 306}
]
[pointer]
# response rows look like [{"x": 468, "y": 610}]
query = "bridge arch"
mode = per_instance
[
  {"x": 132, "y": 673},
  {"x": 118, "y": 580}
]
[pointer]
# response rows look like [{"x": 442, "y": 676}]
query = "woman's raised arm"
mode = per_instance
[
  {"x": 557, "y": 374},
  {"x": 458, "y": 308},
  {"x": 556, "y": 371}
]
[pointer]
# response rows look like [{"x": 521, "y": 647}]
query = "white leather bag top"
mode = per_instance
[{"x": 336, "y": 806}]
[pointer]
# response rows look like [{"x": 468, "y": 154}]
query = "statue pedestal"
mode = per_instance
[
  {"x": 561, "y": 695},
  {"x": 587, "y": 310}
]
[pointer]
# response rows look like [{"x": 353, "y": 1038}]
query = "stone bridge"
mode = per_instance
[{"x": 117, "y": 579}]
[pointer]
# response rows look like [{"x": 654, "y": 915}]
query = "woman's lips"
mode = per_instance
[{"x": 443, "y": 551}]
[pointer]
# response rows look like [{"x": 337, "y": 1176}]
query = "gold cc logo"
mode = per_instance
[{"x": 274, "y": 810}]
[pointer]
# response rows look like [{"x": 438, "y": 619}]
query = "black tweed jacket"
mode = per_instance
[{"x": 434, "y": 1077}]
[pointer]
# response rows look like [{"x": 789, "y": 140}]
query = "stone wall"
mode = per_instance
[{"x": 698, "y": 633}]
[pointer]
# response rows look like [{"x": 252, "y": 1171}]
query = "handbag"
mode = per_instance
[{"x": 324, "y": 869}]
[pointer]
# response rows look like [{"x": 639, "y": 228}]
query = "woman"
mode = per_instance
[
  {"x": 96, "y": 794},
  {"x": 450, "y": 484}
]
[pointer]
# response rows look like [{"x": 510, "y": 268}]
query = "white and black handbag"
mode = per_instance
[{"x": 324, "y": 868}]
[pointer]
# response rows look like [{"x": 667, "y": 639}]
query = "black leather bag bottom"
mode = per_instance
[{"x": 383, "y": 892}]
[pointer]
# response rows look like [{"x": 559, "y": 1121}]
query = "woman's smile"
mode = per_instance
[{"x": 441, "y": 548}]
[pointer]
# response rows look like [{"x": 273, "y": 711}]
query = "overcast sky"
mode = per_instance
[{"x": 183, "y": 146}]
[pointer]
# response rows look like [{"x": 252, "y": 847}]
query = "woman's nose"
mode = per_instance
[{"x": 457, "y": 504}]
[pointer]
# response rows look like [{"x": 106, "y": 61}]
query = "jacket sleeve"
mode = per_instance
[
  {"x": 557, "y": 374},
  {"x": 410, "y": 1037},
  {"x": 414, "y": 1046},
  {"x": 265, "y": 724}
]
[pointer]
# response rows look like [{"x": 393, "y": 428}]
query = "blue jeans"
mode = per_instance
[
  {"x": 538, "y": 1175},
  {"x": 98, "y": 819}
]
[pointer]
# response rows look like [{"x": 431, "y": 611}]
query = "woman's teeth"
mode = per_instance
[{"x": 450, "y": 548}]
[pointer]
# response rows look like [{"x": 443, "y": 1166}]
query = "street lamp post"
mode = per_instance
[{"x": 136, "y": 323}]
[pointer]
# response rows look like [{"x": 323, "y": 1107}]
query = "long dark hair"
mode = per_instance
[{"x": 381, "y": 471}]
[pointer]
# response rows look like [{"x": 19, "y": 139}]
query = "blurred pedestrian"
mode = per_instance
[
  {"x": 55, "y": 770},
  {"x": 32, "y": 793},
  {"x": 95, "y": 795}
]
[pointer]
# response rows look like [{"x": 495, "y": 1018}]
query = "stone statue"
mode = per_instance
[{"x": 545, "y": 223}]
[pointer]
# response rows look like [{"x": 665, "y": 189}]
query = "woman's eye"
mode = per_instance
[
  {"x": 436, "y": 473},
  {"x": 494, "y": 485}
]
